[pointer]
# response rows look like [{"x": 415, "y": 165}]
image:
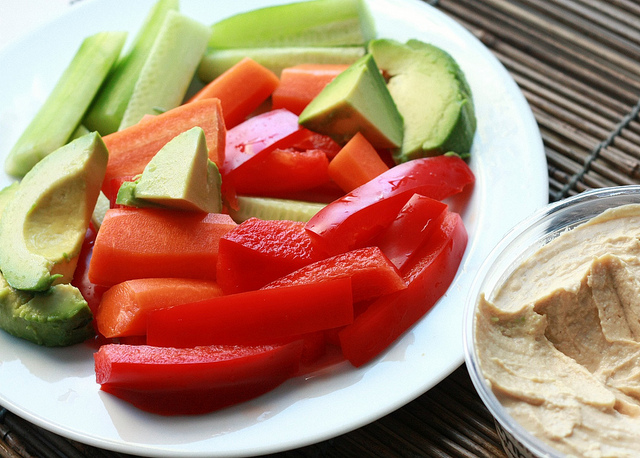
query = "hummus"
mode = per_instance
[{"x": 559, "y": 342}]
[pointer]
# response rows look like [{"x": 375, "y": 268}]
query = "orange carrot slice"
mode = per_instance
[
  {"x": 124, "y": 307},
  {"x": 356, "y": 163},
  {"x": 241, "y": 90},
  {"x": 302, "y": 83},
  {"x": 152, "y": 242}
]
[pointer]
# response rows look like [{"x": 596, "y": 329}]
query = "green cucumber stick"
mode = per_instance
[
  {"x": 108, "y": 108},
  {"x": 274, "y": 208},
  {"x": 169, "y": 69},
  {"x": 62, "y": 111},
  {"x": 217, "y": 61},
  {"x": 308, "y": 23}
]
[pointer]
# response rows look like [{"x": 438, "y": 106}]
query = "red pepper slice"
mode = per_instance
[
  {"x": 257, "y": 252},
  {"x": 428, "y": 278},
  {"x": 282, "y": 171},
  {"x": 415, "y": 223},
  {"x": 172, "y": 381},
  {"x": 254, "y": 317},
  {"x": 371, "y": 273},
  {"x": 258, "y": 135},
  {"x": 350, "y": 222}
]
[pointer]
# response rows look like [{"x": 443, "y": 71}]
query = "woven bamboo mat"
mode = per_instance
[{"x": 578, "y": 64}]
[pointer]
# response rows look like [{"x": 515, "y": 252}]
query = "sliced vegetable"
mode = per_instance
[
  {"x": 106, "y": 111},
  {"x": 62, "y": 111},
  {"x": 259, "y": 135},
  {"x": 356, "y": 163},
  {"x": 371, "y": 273},
  {"x": 282, "y": 171},
  {"x": 91, "y": 292},
  {"x": 271, "y": 208},
  {"x": 254, "y": 317},
  {"x": 124, "y": 307},
  {"x": 44, "y": 223},
  {"x": 171, "y": 381},
  {"x": 354, "y": 219},
  {"x": 309, "y": 23},
  {"x": 179, "y": 176},
  {"x": 413, "y": 226},
  {"x": 357, "y": 100},
  {"x": 257, "y": 252},
  {"x": 216, "y": 61},
  {"x": 169, "y": 68},
  {"x": 144, "y": 242},
  {"x": 428, "y": 279},
  {"x": 131, "y": 149},
  {"x": 302, "y": 83},
  {"x": 241, "y": 90}
]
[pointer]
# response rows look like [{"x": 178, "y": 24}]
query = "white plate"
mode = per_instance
[{"x": 56, "y": 389}]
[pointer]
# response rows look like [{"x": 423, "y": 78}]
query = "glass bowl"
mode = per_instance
[{"x": 518, "y": 244}]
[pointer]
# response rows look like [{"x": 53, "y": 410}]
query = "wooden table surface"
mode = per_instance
[{"x": 578, "y": 64}]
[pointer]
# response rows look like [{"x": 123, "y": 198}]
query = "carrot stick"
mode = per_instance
[
  {"x": 356, "y": 163},
  {"x": 131, "y": 149},
  {"x": 301, "y": 83},
  {"x": 124, "y": 307},
  {"x": 145, "y": 242},
  {"x": 241, "y": 90}
]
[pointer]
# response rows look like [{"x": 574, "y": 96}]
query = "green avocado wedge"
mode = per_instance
[
  {"x": 44, "y": 222},
  {"x": 357, "y": 100},
  {"x": 432, "y": 95},
  {"x": 56, "y": 317},
  {"x": 179, "y": 176}
]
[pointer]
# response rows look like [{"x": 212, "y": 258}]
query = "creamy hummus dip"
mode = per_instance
[{"x": 559, "y": 343}]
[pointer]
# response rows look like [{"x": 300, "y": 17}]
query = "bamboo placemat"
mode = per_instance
[{"x": 578, "y": 64}]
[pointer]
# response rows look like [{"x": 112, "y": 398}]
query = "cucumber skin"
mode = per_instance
[
  {"x": 268, "y": 208},
  {"x": 305, "y": 23},
  {"x": 56, "y": 121},
  {"x": 107, "y": 110},
  {"x": 169, "y": 69},
  {"x": 217, "y": 61}
]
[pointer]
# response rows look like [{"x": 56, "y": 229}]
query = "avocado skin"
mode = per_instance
[
  {"x": 55, "y": 318},
  {"x": 431, "y": 127}
]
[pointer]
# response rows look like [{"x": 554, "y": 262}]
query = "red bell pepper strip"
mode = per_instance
[
  {"x": 124, "y": 307},
  {"x": 428, "y": 278},
  {"x": 350, "y": 222},
  {"x": 371, "y": 273},
  {"x": 282, "y": 171},
  {"x": 257, "y": 252},
  {"x": 415, "y": 223},
  {"x": 145, "y": 242},
  {"x": 254, "y": 317},
  {"x": 171, "y": 381},
  {"x": 258, "y": 135},
  {"x": 91, "y": 292}
]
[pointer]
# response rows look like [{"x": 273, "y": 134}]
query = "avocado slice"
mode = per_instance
[
  {"x": 432, "y": 95},
  {"x": 44, "y": 223},
  {"x": 357, "y": 100},
  {"x": 57, "y": 317},
  {"x": 179, "y": 176},
  {"x": 7, "y": 193}
]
